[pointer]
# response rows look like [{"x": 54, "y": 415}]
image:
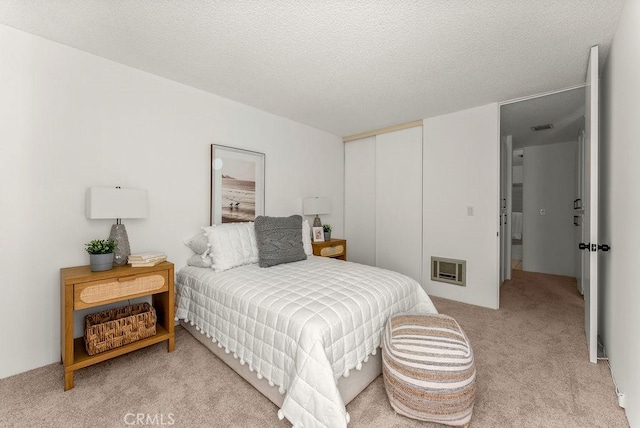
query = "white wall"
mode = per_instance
[
  {"x": 71, "y": 120},
  {"x": 550, "y": 185},
  {"x": 620, "y": 208},
  {"x": 461, "y": 169}
]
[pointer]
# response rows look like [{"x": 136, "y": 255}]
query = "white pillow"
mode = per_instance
[
  {"x": 198, "y": 243},
  {"x": 231, "y": 245},
  {"x": 199, "y": 261},
  {"x": 306, "y": 238}
]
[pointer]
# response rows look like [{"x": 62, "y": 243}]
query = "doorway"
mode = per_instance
[
  {"x": 550, "y": 164},
  {"x": 540, "y": 184}
]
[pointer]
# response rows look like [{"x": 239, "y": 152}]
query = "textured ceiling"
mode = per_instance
[
  {"x": 564, "y": 110},
  {"x": 342, "y": 66}
]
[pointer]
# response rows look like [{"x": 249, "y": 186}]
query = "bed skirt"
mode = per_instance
[{"x": 349, "y": 387}]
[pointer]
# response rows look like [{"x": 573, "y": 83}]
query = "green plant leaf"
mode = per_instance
[{"x": 100, "y": 246}]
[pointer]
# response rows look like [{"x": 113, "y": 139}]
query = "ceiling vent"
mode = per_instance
[{"x": 542, "y": 127}]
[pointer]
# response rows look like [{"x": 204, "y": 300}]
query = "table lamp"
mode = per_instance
[
  {"x": 117, "y": 203},
  {"x": 316, "y": 206}
]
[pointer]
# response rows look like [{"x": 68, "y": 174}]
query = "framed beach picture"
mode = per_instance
[
  {"x": 237, "y": 185},
  {"x": 318, "y": 234}
]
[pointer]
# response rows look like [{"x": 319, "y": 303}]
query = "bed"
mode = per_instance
[{"x": 305, "y": 334}]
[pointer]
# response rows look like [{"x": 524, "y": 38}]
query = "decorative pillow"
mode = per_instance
[
  {"x": 231, "y": 245},
  {"x": 306, "y": 238},
  {"x": 198, "y": 243},
  {"x": 199, "y": 261},
  {"x": 279, "y": 240}
]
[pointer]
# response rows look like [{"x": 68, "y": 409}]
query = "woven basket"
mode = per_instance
[{"x": 117, "y": 327}]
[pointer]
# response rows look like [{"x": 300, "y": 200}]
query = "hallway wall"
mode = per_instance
[{"x": 549, "y": 185}]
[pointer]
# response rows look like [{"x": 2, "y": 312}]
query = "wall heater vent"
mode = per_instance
[{"x": 451, "y": 271}]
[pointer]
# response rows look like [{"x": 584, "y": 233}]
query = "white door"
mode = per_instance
[
  {"x": 360, "y": 200},
  {"x": 503, "y": 201},
  {"x": 578, "y": 205},
  {"x": 506, "y": 191},
  {"x": 590, "y": 193},
  {"x": 398, "y": 201}
]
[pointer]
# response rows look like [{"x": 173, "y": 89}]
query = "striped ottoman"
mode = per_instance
[{"x": 428, "y": 368}]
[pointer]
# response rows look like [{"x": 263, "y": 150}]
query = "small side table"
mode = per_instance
[
  {"x": 334, "y": 248},
  {"x": 80, "y": 289}
]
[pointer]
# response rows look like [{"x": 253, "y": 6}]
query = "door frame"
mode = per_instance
[
  {"x": 591, "y": 195},
  {"x": 506, "y": 193},
  {"x": 501, "y": 251}
]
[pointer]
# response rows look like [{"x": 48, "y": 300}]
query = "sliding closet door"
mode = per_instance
[
  {"x": 359, "y": 200},
  {"x": 398, "y": 201}
]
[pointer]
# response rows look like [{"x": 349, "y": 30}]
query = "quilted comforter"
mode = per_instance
[{"x": 300, "y": 325}]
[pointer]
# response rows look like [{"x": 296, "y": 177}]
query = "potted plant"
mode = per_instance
[
  {"x": 327, "y": 232},
  {"x": 101, "y": 254}
]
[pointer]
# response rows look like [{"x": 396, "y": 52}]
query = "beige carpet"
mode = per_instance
[{"x": 531, "y": 355}]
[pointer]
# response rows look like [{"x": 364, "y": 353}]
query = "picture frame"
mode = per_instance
[
  {"x": 237, "y": 185},
  {"x": 318, "y": 234}
]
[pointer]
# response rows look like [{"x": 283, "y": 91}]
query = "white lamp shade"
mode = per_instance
[
  {"x": 112, "y": 202},
  {"x": 315, "y": 206}
]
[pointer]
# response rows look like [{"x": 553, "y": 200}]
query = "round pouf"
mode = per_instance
[{"x": 428, "y": 368}]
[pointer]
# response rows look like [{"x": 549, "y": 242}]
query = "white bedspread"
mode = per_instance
[{"x": 299, "y": 325}]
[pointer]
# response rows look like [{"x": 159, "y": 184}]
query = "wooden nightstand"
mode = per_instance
[
  {"x": 80, "y": 288},
  {"x": 334, "y": 248}
]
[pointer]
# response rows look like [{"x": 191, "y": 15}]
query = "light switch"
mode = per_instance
[
  {"x": 543, "y": 211},
  {"x": 470, "y": 211}
]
